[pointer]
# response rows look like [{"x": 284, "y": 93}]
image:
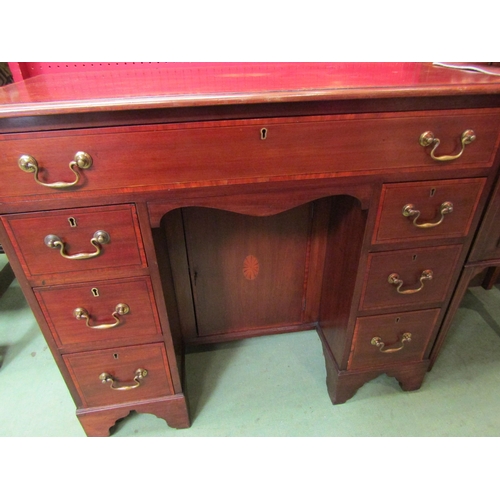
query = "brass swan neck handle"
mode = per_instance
[{"x": 82, "y": 161}]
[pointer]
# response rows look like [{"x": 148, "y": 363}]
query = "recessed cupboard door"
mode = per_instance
[{"x": 246, "y": 272}]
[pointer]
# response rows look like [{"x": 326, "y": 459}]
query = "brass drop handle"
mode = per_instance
[
  {"x": 410, "y": 211},
  {"x": 120, "y": 310},
  {"x": 140, "y": 373},
  {"x": 428, "y": 139},
  {"x": 82, "y": 160},
  {"x": 99, "y": 238},
  {"x": 396, "y": 281},
  {"x": 377, "y": 342}
]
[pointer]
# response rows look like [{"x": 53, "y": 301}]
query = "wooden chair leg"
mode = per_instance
[
  {"x": 6, "y": 278},
  {"x": 492, "y": 276}
]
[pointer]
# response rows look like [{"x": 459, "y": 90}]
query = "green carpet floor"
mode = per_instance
[{"x": 272, "y": 386}]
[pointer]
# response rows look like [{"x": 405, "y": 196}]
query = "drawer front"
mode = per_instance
[
  {"x": 225, "y": 151},
  {"x": 100, "y": 312},
  {"x": 76, "y": 229},
  {"x": 400, "y": 278},
  {"x": 392, "y": 338},
  {"x": 427, "y": 210},
  {"x": 101, "y": 377}
]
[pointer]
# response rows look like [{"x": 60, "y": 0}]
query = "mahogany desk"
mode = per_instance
[{"x": 145, "y": 213}]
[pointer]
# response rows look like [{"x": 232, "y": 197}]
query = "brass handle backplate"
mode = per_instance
[
  {"x": 427, "y": 139},
  {"x": 410, "y": 211},
  {"x": 140, "y": 373},
  {"x": 82, "y": 161},
  {"x": 120, "y": 310},
  {"x": 396, "y": 281},
  {"x": 377, "y": 342},
  {"x": 99, "y": 238}
]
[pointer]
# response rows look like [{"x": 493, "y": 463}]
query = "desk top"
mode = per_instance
[{"x": 209, "y": 84}]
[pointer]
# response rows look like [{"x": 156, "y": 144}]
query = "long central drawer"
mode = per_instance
[{"x": 126, "y": 157}]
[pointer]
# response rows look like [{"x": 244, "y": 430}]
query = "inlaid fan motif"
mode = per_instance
[{"x": 250, "y": 267}]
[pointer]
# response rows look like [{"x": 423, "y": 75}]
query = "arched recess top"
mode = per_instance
[{"x": 263, "y": 200}]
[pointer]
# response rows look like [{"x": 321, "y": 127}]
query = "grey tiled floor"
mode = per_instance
[{"x": 272, "y": 386}]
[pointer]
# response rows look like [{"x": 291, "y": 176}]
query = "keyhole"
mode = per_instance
[
  {"x": 72, "y": 221},
  {"x": 414, "y": 257},
  {"x": 115, "y": 355},
  {"x": 263, "y": 133},
  {"x": 433, "y": 192},
  {"x": 95, "y": 292},
  {"x": 398, "y": 320}
]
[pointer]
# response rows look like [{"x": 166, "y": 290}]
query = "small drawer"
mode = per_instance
[
  {"x": 403, "y": 278},
  {"x": 105, "y": 238},
  {"x": 101, "y": 312},
  {"x": 427, "y": 210},
  {"x": 392, "y": 338},
  {"x": 116, "y": 376},
  {"x": 207, "y": 152}
]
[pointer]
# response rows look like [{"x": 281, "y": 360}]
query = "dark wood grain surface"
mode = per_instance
[{"x": 487, "y": 244}]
